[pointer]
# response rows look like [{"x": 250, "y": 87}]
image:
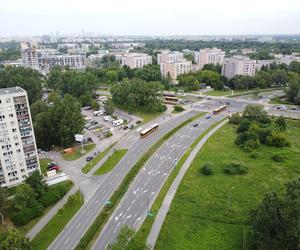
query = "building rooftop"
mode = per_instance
[{"x": 12, "y": 90}]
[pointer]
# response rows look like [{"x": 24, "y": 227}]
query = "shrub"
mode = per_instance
[
  {"x": 178, "y": 108},
  {"x": 235, "y": 119},
  {"x": 277, "y": 140},
  {"x": 236, "y": 168},
  {"x": 206, "y": 170},
  {"x": 25, "y": 215},
  {"x": 280, "y": 123},
  {"x": 278, "y": 157},
  {"x": 254, "y": 155}
]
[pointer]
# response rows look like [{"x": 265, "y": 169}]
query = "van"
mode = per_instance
[
  {"x": 118, "y": 122},
  {"x": 98, "y": 112}
]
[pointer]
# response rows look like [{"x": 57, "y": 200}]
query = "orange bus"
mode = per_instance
[
  {"x": 149, "y": 130},
  {"x": 219, "y": 109},
  {"x": 171, "y": 100}
]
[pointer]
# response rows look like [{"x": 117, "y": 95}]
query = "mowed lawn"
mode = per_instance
[{"x": 211, "y": 212}]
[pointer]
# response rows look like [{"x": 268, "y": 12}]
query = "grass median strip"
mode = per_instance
[
  {"x": 111, "y": 162},
  {"x": 87, "y": 167},
  {"x": 91, "y": 235},
  {"x": 144, "y": 231},
  {"x": 57, "y": 223}
]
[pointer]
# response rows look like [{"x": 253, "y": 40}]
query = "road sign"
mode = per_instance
[{"x": 108, "y": 202}]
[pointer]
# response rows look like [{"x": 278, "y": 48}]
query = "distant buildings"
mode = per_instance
[
  {"x": 167, "y": 56},
  {"x": 174, "y": 69},
  {"x": 134, "y": 60},
  {"x": 238, "y": 65},
  {"x": 29, "y": 56},
  {"x": 18, "y": 153},
  {"x": 209, "y": 56}
]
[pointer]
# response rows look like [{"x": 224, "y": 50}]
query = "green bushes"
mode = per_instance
[
  {"x": 256, "y": 128},
  {"x": 278, "y": 157},
  {"x": 235, "y": 168},
  {"x": 32, "y": 197},
  {"x": 178, "y": 108},
  {"x": 206, "y": 169}
]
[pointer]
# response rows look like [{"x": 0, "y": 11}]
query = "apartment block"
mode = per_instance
[
  {"x": 18, "y": 152},
  {"x": 209, "y": 56},
  {"x": 168, "y": 56},
  {"x": 135, "y": 60},
  {"x": 174, "y": 69},
  {"x": 238, "y": 65},
  {"x": 46, "y": 62}
]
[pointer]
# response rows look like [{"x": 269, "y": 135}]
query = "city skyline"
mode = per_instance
[{"x": 156, "y": 18}]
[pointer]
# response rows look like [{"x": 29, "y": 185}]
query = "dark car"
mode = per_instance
[
  {"x": 138, "y": 122},
  {"x": 131, "y": 126},
  {"x": 125, "y": 127},
  {"x": 89, "y": 158},
  {"x": 195, "y": 125}
]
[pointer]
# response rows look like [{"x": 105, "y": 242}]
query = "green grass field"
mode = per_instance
[
  {"x": 111, "y": 162},
  {"x": 218, "y": 92},
  {"x": 147, "y": 117},
  {"x": 212, "y": 211},
  {"x": 88, "y": 166},
  {"x": 77, "y": 154},
  {"x": 57, "y": 223},
  {"x": 278, "y": 100}
]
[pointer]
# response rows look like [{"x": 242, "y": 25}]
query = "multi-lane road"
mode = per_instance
[
  {"x": 135, "y": 204},
  {"x": 75, "y": 229}
]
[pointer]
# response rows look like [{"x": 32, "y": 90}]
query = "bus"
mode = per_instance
[
  {"x": 149, "y": 130},
  {"x": 219, "y": 109},
  {"x": 171, "y": 100}
]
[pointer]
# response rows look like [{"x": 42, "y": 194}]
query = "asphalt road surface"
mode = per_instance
[
  {"x": 76, "y": 228},
  {"x": 135, "y": 204}
]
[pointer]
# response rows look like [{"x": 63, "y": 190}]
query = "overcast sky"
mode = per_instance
[{"x": 150, "y": 17}]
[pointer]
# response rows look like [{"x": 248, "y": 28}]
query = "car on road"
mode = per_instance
[
  {"x": 89, "y": 158},
  {"x": 125, "y": 127},
  {"x": 208, "y": 98},
  {"x": 138, "y": 122},
  {"x": 208, "y": 116},
  {"x": 195, "y": 125},
  {"x": 131, "y": 126}
]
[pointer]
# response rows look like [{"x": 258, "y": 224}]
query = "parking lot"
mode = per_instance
[{"x": 103, "y": 128}]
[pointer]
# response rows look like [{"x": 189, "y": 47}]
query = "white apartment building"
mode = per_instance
[
  {"x": 174, "y": 69},
  {"x": 168, "y": 56},
  {"x": 46, "y": 62},
  {"x": 238, "y": 65},
  {"x": 18, "y": 153},
  {"x": 135, "y": 60},
  {"x": 208, "y": 56}
]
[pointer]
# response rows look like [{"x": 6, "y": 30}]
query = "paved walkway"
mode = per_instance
[
  {"x": 162, "y": 213},
  {"x": 50, "y": 214}
]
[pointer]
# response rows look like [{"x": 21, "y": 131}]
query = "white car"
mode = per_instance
[{"x": 99, "y": 112}]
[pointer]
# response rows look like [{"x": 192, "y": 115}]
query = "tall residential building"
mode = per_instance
[
  {"x": 174, "y": 69},
  {"x": 29, "y": 56},
  {"x": 135, "y": 60},
  {"x": 18, "y": 153},
  {"x": 46, "y": 62},
  {"x": 168, "y": 56},
  {"x": 238, "y": 65},
  {"x": 208, "y": 56}
]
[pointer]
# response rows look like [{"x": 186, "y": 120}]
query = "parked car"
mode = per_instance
[
  {"x": 125, "y": 127},
  {"x": 89, "y": 158},
  {"x": 87, "y": 108},
  {"x": 138, "y": 122},
  {"x": 208, "y": 116},
  {"x": 195, "y": 125},
  {"x": 52, "y": 166},
  {"x": 131, "y": 126}
]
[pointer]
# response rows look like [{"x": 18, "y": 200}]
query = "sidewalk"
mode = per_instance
[
  {"x": 48, "y": 216},
  {"x": 162, "y": 213}
]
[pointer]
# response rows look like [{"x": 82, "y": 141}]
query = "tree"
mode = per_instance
[
  {"x": 294, "y": 66},
  {"x": 149, "y": 73},
  {"x": 109, "y": 107},
  {"x": 281, "y": 123},
  {"x": 211, "y": 78},
  {"x": 279, "y": 77},
  {"x": 26, "y": 78},
  {"x": 213, "y": 67},
  {"x": 111, "y": 76},
  {"x": 206, "y": 169},
  {"x": 125, "y": 241},
  {"x": 2, "y": 202},
  {"x": 293, "y": 90},
  {"x": 37, "y": 183},
  {"x": 256, "y": 113},
  {"x": 188, "y": 82},
  {"x": 14, "y": 240},
  {"x": 37, "y": 108},
  {"x": 24, "y": 197},
  {"x": 275, "y": 222}
]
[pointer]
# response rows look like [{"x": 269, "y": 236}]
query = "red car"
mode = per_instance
[{"x": 53, "y": 166}]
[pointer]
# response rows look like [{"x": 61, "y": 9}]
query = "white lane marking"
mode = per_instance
[
  {"x": 78, "y": 225},
  {"x": 137, "y": 220},
  {"x": 128, "y": 217},
  {"x": 165, "y": 174}
]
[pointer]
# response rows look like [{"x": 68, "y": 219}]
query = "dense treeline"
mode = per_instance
[
  {"x": 138, "y": 95},
  {"x": 57, "y": 124},
  {"x": 181, "y": 44},
  {"x": 9, "y": 50},
  {"x": 29, "y": 79}
]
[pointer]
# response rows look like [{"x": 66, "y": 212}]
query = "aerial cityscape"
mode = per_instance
[{"x": 133, "y": 126}]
